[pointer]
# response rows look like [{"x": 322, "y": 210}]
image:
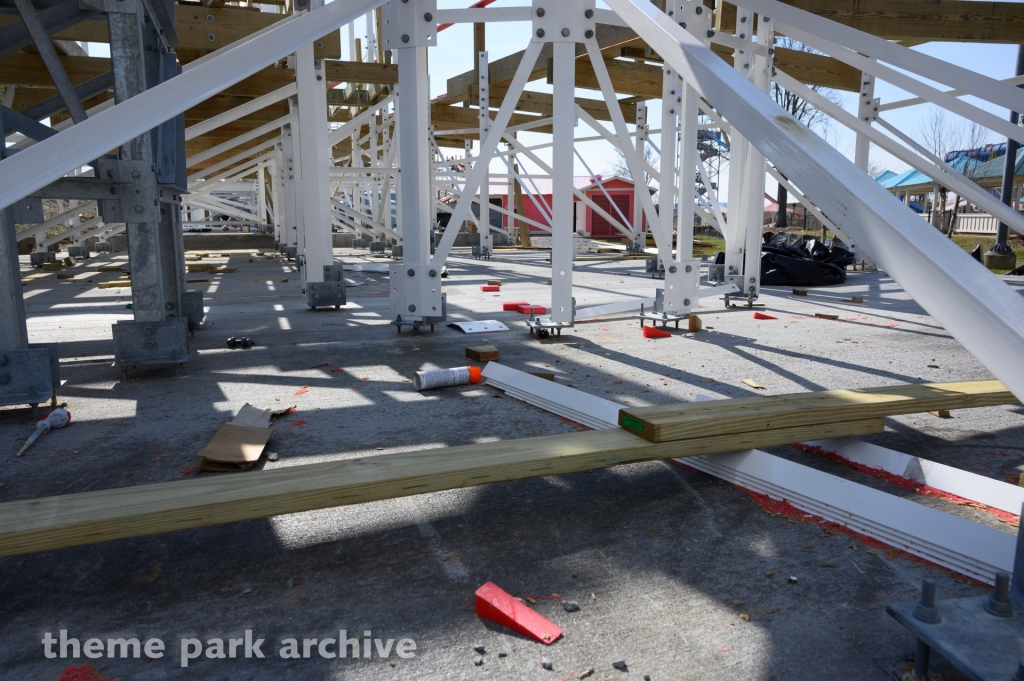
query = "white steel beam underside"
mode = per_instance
[
  {"x": 48, "y": 160},
  {"x": 978, "y": 309}
]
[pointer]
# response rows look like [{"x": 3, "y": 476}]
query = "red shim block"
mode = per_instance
[
  {"x": 651, "y": 332},
  {"x": 497, "y": 605},
  {"x": 489, "y": 287},
  {"x": 513, "y": 305},
  {"x": 526, "y": 308},
  {"x": 761, "y": 315}
]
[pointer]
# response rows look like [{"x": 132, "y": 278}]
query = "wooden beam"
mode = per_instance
[
  {"x": 26, "y": 69},
  {"x": 924, "y": 20},
  {"x": 677, "y": 421},
  {"x": 445, "y": 117},
  {"x": 72, "y": 520},
  {"x": 630, "y": 78},
  {"x": 543, "y": 103},
  {"x": 361, "y": 72},
  {"x": 194, "y": 28}
]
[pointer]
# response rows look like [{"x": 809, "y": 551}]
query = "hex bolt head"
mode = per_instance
[
  {"x": 169, "y": 306},
  {"x": 211, "y": 37},
  {"x": 150, "y": 344},
  {"x": 689, "y": 268},
  {"x": 589, "y": 14},
  {"x": 405, "y": 37},
  {"x": 686, "y": 301},
  {"x": 565, "y": 33},
  {"x": 588, "y": 34},
  {"x": 752, "y": 280},
  {"x": 320, "y": 44},
  {"x": 138, "y": 209},
  {"x": 4, "y": 379},
  {"x": 540, "y": 32},
  {"x": 412, "y": 308},
  {"x": 136, "y": 174},
  {"x": 148, "y": 330},
  {"x": 411, "y": 272},
  {"x": 699, "y": 10},
  {"x": 925, "y": 609},
  {"x": 428, "y": 16},
  {"x": 319, "y": 77},
  {"x": 432, "y": 273},
  {"x": 540, "y": 11},
  {"x": 209, "y": 17},
  {"x": 673, "y": 269},
  {"x": 711, "y": 34}
]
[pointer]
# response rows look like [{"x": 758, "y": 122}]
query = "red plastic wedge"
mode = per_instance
[
  {"x": 513, "y": 305},
  {"x": 651, "y": 332},
  {"x": 762, "y": 315},
  {"x": 490, "y": 287},
  {"x": 497, "y": 605},
  {"x": 526, "y": 308}
]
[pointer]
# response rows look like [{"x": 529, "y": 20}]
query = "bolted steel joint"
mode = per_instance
[
  {"x": 689, "y": 268},
  {"x": 686, "y": 301},
  {"x": 432, "y": 273},
  {"x": 405, "y": 37},
  {"x": 150, "y": 344},
  {"x": 588, "y": 34},
  {"x": 673, "y": 269},
  {"x": 565, "y": 33},
  {"x": 589, "y": 14},
  {"x": 540, "y": 11},
  {"x": 149, "y": 330},
  {"x": 428, "y": 16},
  {"x": 540, "y": 32},
  {"x": 412, "y": 308},
  {"x": 411, "y": 272}
]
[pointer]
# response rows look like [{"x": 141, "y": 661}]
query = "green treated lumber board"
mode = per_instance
[
  {"x": 721, "y": 417},
  {"x": 56, "y": 522}
]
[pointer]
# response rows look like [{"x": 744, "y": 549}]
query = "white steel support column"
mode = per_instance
[
  {"x": 261, "y": 194},
  {"x": 562, "y": 246},
  {"x": 486, "y": 240},
  {"x": 639, "y": 237},
  {"x": 415, "y": 283},
  {"x": 670, "y": 85},
  {"x": 276, "y": 176},
  {"x": 291, "y": 217},
  {"x": 314, "y": 157}
]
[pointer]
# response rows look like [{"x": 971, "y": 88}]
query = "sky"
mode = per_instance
[{"x": 453, "y": 55}]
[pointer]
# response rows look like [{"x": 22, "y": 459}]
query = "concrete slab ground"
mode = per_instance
[{"x": 662, "y": 560}]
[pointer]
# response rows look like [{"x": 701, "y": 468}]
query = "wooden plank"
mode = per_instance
[
  {"x": 924, "y": 20},
  {"x": 194, "y": 28},
  {"x": 56, "y": 522},
  {"x": 720, "y": 417},
  {"x": 23, "y": 68},
  {"x": 543, "y": 103},
  {"x": 361, "y": 72}
]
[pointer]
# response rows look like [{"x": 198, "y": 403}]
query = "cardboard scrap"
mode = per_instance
[
  {"x": 238, "y": 444},
  {"x": 752, "y": 383}
]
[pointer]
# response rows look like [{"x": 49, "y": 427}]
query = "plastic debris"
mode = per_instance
[
  {"x": 499, "y": 606},
  {"x": 652, "y": 332},
  {"x": 58, "y": 418},
  {"x": 762, "y": 315}
]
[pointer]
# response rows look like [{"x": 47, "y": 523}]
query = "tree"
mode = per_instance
[
  {"x": 942, "y": 135},
  {"x": 803, "y": 111}
]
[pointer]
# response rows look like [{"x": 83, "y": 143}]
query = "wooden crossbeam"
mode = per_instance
[
  {"x": 195, "y": 24},
  {"x": 917, "y": 20},
  {"x": 27, "y": 69},
  {"x": 680, "y": 421},
  {"x": 56, "y": 522},
  {"x": 361, "y": 72}
]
